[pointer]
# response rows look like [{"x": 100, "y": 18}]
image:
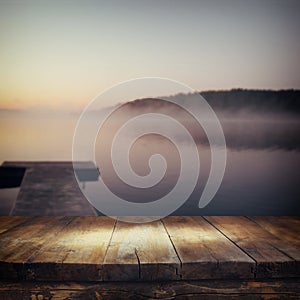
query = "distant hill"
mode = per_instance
[
  {"x": 262, "y": 100},
  {"x": 287, "y": 101}
]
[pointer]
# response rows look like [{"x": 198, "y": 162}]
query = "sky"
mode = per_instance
[{"x": 61, "y": 54}]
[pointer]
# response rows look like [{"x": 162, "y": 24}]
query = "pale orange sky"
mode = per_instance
[{"x": 61, "y": 54}]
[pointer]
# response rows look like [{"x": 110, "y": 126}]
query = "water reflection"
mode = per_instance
[{"x": 256, "y": 182}]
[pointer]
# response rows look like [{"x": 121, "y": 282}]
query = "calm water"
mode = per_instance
[{"x": 262, "y": 173}]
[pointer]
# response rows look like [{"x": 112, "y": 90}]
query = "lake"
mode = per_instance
[{"x": 261, "y": 177}]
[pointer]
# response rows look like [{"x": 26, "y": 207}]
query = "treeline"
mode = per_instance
[
  {"x": 235, "y": 100},
  {"x": 261, "y": 100}
]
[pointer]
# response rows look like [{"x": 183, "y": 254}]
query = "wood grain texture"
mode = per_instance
[
  {"x": 274, "y": 257},
  {"x": 204, "y": 252},
  {"x": 21, "y": 242},
  {"x": 205, "y": 289},
  {"x": 76, "y": 253},
  {"x": 283, "y": 227},
  {"x": 140, "y": 252},
  {"x": 7, "y": 222}
]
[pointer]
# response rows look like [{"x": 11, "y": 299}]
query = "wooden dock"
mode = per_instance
[
  {"x": 49, "y": 189},
  {"x": 173, "y": 258}
]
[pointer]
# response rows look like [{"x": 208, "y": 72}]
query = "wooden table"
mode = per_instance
[{"x": 174, "y": 258}]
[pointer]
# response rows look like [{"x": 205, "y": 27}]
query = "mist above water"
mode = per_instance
[
  {"x": 263, "y": 143},
  {"x": 245, "y": 127},
  {"x": 262, "y": 166}
]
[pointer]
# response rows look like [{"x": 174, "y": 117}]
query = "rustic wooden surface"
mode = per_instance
[
  {"x": 9, "y": 222},
  {"x": 141, "y": 252},
  {"x": 43, "y": 258},
  {"x": 204, "y": 252},
  {"x": 274, "y": 257},
  {"x": 174, "y": 248},
  {"x": 204, "y": 289},
  {"x": 50, "y": 189},
  {"x": 285, "y": 228}
]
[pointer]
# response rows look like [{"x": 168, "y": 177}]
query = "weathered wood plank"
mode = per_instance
[
  {"x": 76, "y": 253},
  {"x": 204, "y": 252},
  {"x": 205, "y": 289},
  {"x": 140, "y": 252},
  {"x": 283, "y": 227},
  {"x": 21, "y": 242},
  {"x": 274, "y": 257},
  {"x": 7, "y": 222}
]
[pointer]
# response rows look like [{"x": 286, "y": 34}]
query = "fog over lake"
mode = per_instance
[{"x": 263, "y": 158}]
